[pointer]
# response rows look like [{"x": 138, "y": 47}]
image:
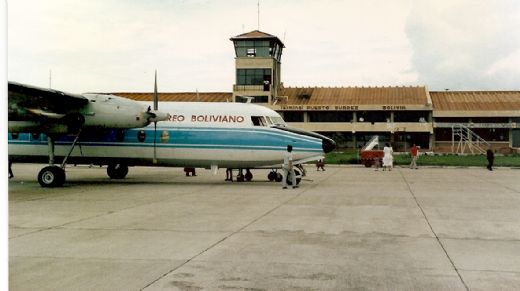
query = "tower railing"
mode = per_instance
[{"x": 462, "y": 138}]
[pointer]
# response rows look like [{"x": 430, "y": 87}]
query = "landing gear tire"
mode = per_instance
[
  {"x": 248, "y": 176},
  {"x": 279, "y": 177},
  {"x": 298, "y": 178},
  {"x": 272, "y": 176},
  {"x": 51, "y": 176},
  {"x": 117, "y": 171}
]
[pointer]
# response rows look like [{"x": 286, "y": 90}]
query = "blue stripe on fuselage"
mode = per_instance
[{"x": 188, "y": 137}]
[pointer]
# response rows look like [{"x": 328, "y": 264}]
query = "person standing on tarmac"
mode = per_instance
[
  {"x": 388, "y": 158},
  {"x": 288, "y": 168},
  {"x": 491, "y": 158},
  {"x": 414, "y": 152}
]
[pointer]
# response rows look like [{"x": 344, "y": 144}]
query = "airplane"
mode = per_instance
[{"x": 47, "y": 124}]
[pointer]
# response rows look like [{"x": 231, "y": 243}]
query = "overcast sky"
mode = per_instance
[{"x": 115, "y": 45}]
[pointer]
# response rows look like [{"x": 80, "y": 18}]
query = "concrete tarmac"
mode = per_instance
[{"x": 348, "y": 228}]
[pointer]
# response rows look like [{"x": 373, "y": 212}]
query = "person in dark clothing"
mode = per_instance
[
  {"x": 229, "y": 174},
  {"x": 189, "y": 170},
  {"x": 491, "y": 158},
  {"x": 11, "y": 175}
]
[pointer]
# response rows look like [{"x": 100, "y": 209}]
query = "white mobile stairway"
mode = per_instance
[{"x": 465, "y": 138}]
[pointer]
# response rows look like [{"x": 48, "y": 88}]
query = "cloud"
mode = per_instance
[
  {"x": 115, "y": 45},
  {"x": 461, "y": 44}
]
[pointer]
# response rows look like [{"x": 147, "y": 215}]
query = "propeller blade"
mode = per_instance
[
  {"x": 155, "y": 108},
  {"x": 154, "y": 142},
  {"x": 155, "y": 94}
]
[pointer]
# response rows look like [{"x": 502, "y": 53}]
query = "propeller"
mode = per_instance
[{"x": 155, "y": 108}]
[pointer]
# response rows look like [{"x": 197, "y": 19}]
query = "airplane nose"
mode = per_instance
[{"x": 328, "y": 145}]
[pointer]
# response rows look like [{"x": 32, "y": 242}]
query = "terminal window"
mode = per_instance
[
  {"x": 331, "y": 116},
  {"x": 410, "y": 116},
  {"x": 293, "y": 116}
]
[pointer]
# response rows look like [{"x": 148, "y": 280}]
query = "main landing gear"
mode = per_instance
[
  {"x": 274, "y": 175},
  {"x": 247, "y": 177},
  {"x": 52, "y": 175}
]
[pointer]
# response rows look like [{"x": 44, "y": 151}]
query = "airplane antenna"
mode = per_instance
[
  {"x": 258, "y": 10},
  {"x": 155, "y": 95},
  {"x": 50, "y": 78}
]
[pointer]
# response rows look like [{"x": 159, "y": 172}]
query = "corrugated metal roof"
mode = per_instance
[
  {"x": 180, "y": 97},
  {"x": 354, "y": 95},
  {"x": 475, "y": 100}
]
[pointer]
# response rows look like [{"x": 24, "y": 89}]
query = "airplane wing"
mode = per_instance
[
  {"x": 28, "y": 103},
  {"x": 34, "y": 109}
]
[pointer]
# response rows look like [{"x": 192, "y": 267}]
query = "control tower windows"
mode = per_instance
[
  {"x": 254, "y": 99},
  {"x": 258, "y": 48},
  {"x": 253, "y": 76}
]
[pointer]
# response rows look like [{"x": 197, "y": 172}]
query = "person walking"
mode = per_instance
[
  {"x": 414, "y": 152},
  {"x": 320, "y": 164},
  {"x": 388, "y": 158},
  {"x": 288, "y": 168},
  {"x": 491, "y": 158}
]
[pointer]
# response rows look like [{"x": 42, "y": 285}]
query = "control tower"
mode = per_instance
[{"x": 257, "y": 66}]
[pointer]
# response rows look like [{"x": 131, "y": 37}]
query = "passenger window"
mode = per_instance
[
  {"x": 141, "y": 136},
  {"x": 258, "y": 121},
  {"x": 165, "y": 136},
  {"x": 14, "y": 135},
  {"x": 120, "y": 135}
]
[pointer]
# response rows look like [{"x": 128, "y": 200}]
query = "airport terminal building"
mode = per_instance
[{"x": 402, "y": 116}]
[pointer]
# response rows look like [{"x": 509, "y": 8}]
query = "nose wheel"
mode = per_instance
[{"x": 117, "y": 171}]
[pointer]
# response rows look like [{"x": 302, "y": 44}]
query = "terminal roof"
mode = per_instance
[
  {"x": 180, "y": 97},
  {"x": 476, "y": 100},
  {"x": 354, "y": 96}
]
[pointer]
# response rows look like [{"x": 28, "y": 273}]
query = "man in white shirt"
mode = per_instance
[{"x": 288, "y": 168}]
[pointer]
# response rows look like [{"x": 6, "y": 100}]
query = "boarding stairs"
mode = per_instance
[
  {"x": 374, "y": 141},
  {"x": 463, "y": 138}
]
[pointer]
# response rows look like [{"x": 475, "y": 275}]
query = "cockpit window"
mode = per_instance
[
  {"x": 258, "y": 121},
  {"x": 276, "y": 120}
]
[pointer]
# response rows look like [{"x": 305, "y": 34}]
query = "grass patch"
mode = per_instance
[{"x": 352, "y": 157}]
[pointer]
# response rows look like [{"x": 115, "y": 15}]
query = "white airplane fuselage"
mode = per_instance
[{"x": 207, "y": 135}]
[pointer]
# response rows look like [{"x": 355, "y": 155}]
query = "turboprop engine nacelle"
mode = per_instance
[{"x": 109, "y": 111}]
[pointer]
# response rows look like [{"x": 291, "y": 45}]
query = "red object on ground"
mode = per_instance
[{"x": 369, "y": 157}]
